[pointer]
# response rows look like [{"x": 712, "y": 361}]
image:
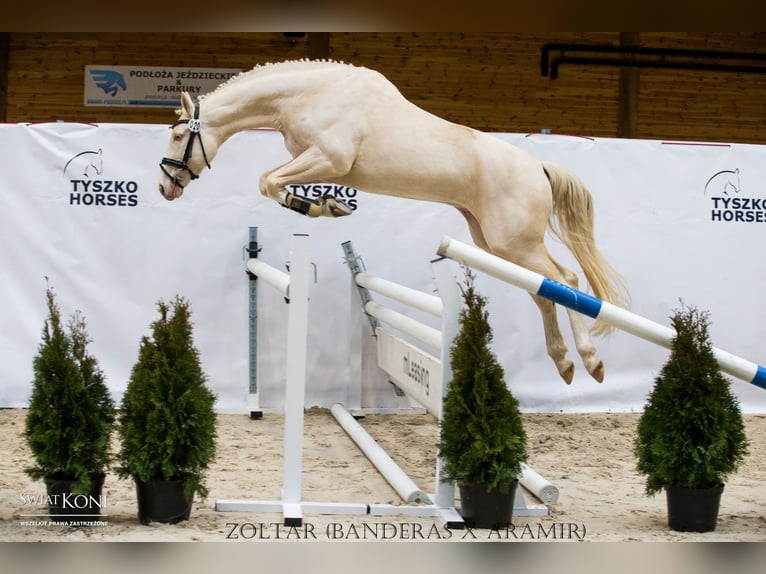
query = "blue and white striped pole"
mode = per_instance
[{"x": 588, "y": 305}]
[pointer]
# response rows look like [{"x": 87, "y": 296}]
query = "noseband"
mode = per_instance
[{"x": 194, "y": 132}]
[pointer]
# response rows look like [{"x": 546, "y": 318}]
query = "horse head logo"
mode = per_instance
[
  {"x": 725, "y": 181},
  {"x": 108, "y": 80},
  {"x": 85, "y": 163}
]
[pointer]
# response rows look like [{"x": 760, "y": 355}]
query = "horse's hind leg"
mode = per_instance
[
  {"x": 585, "y": 347},
  {"x": 538, "y": 259},
  {"x": 554, "y": 341},
  {"x": 581, "y": 333},
  {"x": 582, "y": 339}
]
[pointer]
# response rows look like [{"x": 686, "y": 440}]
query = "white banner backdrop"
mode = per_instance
[{"x": 79, "y": 205}]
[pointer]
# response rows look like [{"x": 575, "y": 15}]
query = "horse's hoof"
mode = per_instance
[
  {"x": 333, "y": 207},
  {"x": 598, "y": 372},
  {"x": 568, "y": 373}
]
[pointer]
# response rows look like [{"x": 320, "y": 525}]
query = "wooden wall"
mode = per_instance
[
  {"x": 490, "y": 81},
  {"x": 4, "y": 47}
]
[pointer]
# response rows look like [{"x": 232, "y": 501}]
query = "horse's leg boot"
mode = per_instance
[
  {"x": 302, "y": 205},
  {"x": 326, "y": 206}
]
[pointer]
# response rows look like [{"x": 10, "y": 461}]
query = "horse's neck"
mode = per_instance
[
  {"x": 253, "y": 102},
  {"x": 234, "y": 110}
]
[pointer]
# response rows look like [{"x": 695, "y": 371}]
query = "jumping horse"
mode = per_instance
[{"x": 349, "y": 125}]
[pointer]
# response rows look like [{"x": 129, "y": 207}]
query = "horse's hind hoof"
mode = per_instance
[
  {"x": 568, "y": 373},
  {"x": 598, "y": 372}
]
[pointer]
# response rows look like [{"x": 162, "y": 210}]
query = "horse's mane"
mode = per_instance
[{"x": 275, "y": 67}]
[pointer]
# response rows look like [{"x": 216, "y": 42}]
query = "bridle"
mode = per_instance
[{"x": 194, "y": 132}]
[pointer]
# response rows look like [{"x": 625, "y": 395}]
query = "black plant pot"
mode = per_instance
[
  {"x": 163, "y": 501},
  {"x": 65, "y": 506},
  {"x": 693, "y": 509},
  {"x": 482, "y": 509}
]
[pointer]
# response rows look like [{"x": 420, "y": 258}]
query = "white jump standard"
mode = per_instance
[
  {"x": 295, "y": 288},
  {"x": 416, "y": 373},
  {"x": 588, "y": 305}
]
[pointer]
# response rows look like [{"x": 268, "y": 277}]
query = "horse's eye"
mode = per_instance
[{"x": 177, "y": 137}]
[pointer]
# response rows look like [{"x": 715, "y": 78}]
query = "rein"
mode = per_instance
[{"x": 194, "y": 132}]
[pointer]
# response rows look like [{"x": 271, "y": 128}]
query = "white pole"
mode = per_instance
[
  {"x": 538, "y": 486},
  {"x": 406, "y": 295},
  {"x": 274, "y": 277},
  {"x": 395, "y": 476},
  {"x": 588, "y": 305},
  {"x": 428, "y": 335}
]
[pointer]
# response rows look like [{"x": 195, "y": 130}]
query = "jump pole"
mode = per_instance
[
  {"x": 588, "y": 305},
  {"x": 395, "y": 476}
]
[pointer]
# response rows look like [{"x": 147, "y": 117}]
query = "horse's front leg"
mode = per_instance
[{"x": 311, "y": 166}]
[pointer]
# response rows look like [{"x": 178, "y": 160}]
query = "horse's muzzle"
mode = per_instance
[{"x": 171, "y": 191}]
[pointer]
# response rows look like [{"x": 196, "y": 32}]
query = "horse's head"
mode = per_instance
[
  {"x": 96, "y": 162},
  {"x": 187, "y": 154}
]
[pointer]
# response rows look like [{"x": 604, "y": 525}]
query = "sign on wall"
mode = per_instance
[{"x": 149, "y": 86}]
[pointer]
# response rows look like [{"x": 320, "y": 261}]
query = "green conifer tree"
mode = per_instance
[
  {"x": 691, "y": 433},
  {"x": 71, "y": 413},
  {"x": 482, "y": 438},
  {"x": 167, "y": 423}
]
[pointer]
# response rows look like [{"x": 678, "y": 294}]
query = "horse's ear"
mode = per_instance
[{"x": 187, "y": 104}]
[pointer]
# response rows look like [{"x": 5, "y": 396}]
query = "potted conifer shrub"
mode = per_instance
[
  {"x": 70, "y": 419},
  {"x": 167, "y": 421},
  {"x": 482, "y": 439},
  {"x": 691, "y": 434}
]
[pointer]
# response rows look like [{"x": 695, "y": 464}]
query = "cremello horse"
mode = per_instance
[{"x": 349, "y": 125}]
